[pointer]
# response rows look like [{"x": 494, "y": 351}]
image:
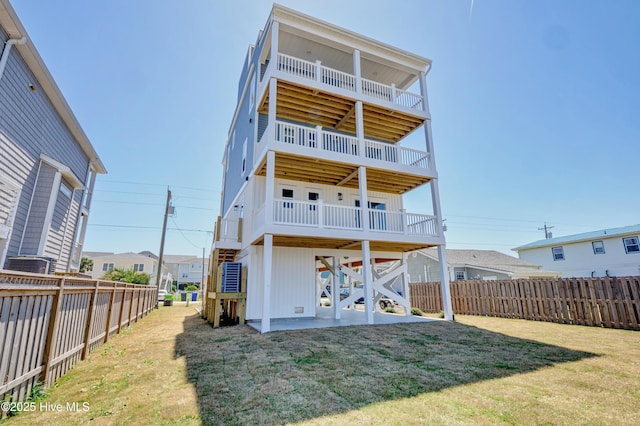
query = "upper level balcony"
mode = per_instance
[{"x": 318, "y": 73}]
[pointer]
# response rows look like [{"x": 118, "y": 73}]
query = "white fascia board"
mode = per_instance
[{"x": 13, "y": 26}]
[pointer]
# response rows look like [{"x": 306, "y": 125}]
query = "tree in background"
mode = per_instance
[
  {"x": 127, "y": 276},
  {"x": 86, "y": 264}
]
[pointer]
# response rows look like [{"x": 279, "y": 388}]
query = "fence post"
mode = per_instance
[
  {"x": 112, "y": 302},
  {"x": 92, "y": 313},
  {"x": 49, "y": 350},
  {"x": 124, "y": 296}
]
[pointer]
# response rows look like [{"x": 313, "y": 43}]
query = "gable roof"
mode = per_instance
[{"x": 586, "y": 236}]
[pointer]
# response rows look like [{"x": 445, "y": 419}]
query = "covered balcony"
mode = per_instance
[
  {"x": 318, "y": 139},
  {"x": 319, "y": 73},
  {"x": 317, "y": 214}
]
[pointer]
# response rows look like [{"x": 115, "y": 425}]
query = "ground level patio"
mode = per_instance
[{"x": 324, "y": 319}]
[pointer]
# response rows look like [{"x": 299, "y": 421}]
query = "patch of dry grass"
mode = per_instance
[{"x": 173, "y": 368}]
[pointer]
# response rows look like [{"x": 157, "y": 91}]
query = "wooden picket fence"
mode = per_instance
[
  {"x": 612, "y": 302},
  {"x": 48, "y": 323}
]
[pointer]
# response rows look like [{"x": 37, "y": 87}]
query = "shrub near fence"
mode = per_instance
[
  {"x": 48, "y": 323},
  {"x": 612, "y": 302}
]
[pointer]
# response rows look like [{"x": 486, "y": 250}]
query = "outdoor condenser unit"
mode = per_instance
[{"x": 231, "y": 277}]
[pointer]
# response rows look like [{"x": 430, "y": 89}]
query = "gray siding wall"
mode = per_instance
[
  {"x": 29, "y": 127},
  {"x": 245, "y": 129},
  {"x": 416, "y": 267},
  {"x": 35, "y": 224}
]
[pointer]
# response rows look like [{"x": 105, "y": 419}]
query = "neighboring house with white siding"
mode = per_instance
[
  {"x": 186, "y": 270},
  {"x": 607, "y": 252},
  {"x": 135, "y": 261},
  {"x": 424, "y": 266},
  {"x": 316, "y": 165},
  {"x": 47, "y": 164}
]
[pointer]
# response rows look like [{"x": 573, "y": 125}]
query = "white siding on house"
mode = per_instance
[
  {"x": 293, "y": 284},
  {"x": 581, "y": 261}
]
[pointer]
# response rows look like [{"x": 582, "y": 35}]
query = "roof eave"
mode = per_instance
[{"x": 11, "y": 23}]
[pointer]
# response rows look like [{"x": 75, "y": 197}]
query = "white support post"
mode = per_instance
[
  {"x": 444, "y": 284},
  {"x": 265, "y": 325},
  {"x": 405, "y": 225},
  {"x": 318, "y": 71},
  {"x": 273, "y": 99},
  {"x": 368, "y": 281},
  {"x": 335, "y": 289},
  {"x": 442, "y": 257},
  {"x": 275, "y": 31},
  {"x": 356, "y": 70},
  {"x": 423, "y": 92},
  {"x": 406, "y": 291},
  {"x": 364, "y": 198},
  {"x": 270, "y": 188},
  {"x": 393, "y": 93},
  {"x": 320, "y": 208},
  {"x": 350, "y": 266},
  {"x": 360, "y": 128},
  {"x": 319, "y": 136}
]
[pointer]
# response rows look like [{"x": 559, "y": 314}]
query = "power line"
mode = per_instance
[{"x": 160, "y": 184}]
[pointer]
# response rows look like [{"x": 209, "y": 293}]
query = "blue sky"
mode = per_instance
[{"x": 534, "y": 108}]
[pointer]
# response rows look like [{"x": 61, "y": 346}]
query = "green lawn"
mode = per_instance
[{"x": 173, "y": 368}]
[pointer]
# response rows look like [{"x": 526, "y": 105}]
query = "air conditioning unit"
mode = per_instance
[
  {"x": 32, "y": 264},
  {"x": 231, "y": 277}
]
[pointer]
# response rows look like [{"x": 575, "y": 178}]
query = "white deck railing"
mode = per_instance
[
  {"x": 319, "y": 215},
  {"x": 317, "y": 138},
  {"x": 335, "y": 78}
]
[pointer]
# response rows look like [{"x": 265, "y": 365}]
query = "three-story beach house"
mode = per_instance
[{"x": 315, "y": 171}]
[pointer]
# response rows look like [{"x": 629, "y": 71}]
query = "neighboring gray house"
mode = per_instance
[
  {"x": 472, "y": 265},
  {"x": 47, "y": 164}
]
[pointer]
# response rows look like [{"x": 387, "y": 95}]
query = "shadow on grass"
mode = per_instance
[{"x": 242, "y": 377}]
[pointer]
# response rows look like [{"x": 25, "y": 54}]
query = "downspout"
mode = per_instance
[{"x": 5, "y": 52}]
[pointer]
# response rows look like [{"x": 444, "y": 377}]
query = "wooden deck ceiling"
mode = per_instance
[
  {"x": 341, "y": 244},
  {"x": 308, "y": 105},
  {"x": 314, "y": 170}
]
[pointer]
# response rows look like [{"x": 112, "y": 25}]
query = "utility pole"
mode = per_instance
[
  {"x": 547, "y": 233},
  {"x": 164, "y": 233}
]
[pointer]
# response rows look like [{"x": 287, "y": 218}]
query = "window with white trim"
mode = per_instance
[
  {"x": 252, "y": 93},
  {"x": 558, "y": 253},
  {"x": 459, "y": 275},
  {"x": 313, "y": 196},
  {"x": 66, "y": 189},
  {"x": 138, "y": 267},
  {"x": 107, "y": 267},
  {"x": 598, "y": 247},
  {"x": 244, "y": 157},
  {"x": 631, "y": 245},
  {"x": 287, "y": 193}
]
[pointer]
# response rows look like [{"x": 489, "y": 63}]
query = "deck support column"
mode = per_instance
[
  {"x": 368, "y": 281},
  {"x": 406, "y": 291},
  {"x": 360, "y": 128},
  {"x": 265, "y": 324},
  {"x": 442, "y": 255},
  {"x": 335, "y": 288}
]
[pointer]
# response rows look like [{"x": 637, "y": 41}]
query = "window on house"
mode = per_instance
[
  {"x": 313, "y": 196},
  {"x": 459, "y": 275},
  {"x": 631, "y": 245},
  {"x": 244, "y": 157},
  {"x": 138, "y": 267},
  {"x": 252, "y": 96},
  {"x": 65, "y": 189},
  {"x": 598, "y": 247},
  {"x": 107, "y": 267},
  {"x": 287, "y": 193},
  {"x": 558, "y": 253}
]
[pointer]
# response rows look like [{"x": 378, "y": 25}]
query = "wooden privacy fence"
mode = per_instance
[
  {"x": 611, "y": 302},
  {"x": 48, "y": 323}
]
